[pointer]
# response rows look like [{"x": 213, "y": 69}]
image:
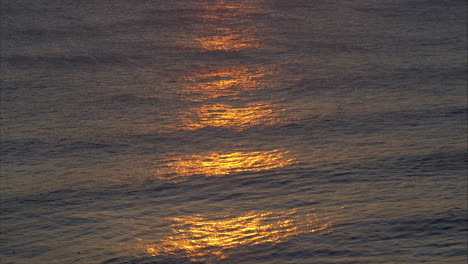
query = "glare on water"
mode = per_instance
[
  {"x": 201, "y": 237},
  {"x": 232, "y": 117},
  {"x": 220, "y": 164},
  {"x": 221, "y": 27},
  {"x": 227, "y": 81}
]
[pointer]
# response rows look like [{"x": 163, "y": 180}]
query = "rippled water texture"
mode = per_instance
[
  {"x": 233, "y": 131},
  {"x": 200, "y": 237}
]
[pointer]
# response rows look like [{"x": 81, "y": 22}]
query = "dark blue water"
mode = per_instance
[{"x": 243, "y": 131}]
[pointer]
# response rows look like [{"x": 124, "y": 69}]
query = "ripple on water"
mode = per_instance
[{"x": 202, "y": 237}]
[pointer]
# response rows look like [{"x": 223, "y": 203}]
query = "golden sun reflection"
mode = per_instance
[
  {"x": 231, "y": 42},
  {"x": 201, "y": 238},
  {"x": 224, "y": 82},
  {"x": 219, "y": 164},
  {"x": 224, "y": 26},
  {"x": 227, "y": 116},
  {"x": 228, "y": 4}
]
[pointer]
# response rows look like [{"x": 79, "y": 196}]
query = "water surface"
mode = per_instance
[{"x": 246, "y": 131}]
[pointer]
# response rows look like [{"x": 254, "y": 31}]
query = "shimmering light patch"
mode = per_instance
[
  {"x": 223, "y": 82},
  {"x": 232, "y": 42},
  {"x": 227, "y": 4},
  {"x": 201, "y": 237},
  {"x": 238, "y": 6},
  {"x": 219, "y": 164},
  {"x": 227, "y": 116},
  {"x": 223, "y": 26}
]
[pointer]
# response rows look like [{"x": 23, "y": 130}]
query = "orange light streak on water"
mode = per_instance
[
  {"x": 224, "y": 82},
  {"x": 223, "y": 26},
  {"x": 231, "y": 117},
  {"x": 231, "y": 42},
  {"x": 219, "y": 164},
  {"x": 202, "y": 238}
]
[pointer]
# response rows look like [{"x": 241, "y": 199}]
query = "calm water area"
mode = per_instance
[{"x": 233, "y": 131}]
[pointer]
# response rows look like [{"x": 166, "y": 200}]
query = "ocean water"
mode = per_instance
[{"x": 234, "y": 131}]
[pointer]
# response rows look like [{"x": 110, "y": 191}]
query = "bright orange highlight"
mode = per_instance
[
  {"x": 201, "y": 238},
  {"x": 227, "y": 116},
  {"x": 224, "y": 82},
  {"x": 232, "y": 42},
  {"x": 219, "y": 164},
  {"x": 223, "y": 26}
]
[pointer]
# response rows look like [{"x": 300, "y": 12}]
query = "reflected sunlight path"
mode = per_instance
[
  {"x": 220, "y": 164},
  {"x": 202, "y": 237},
  {"x": 231, "y": 117}
]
